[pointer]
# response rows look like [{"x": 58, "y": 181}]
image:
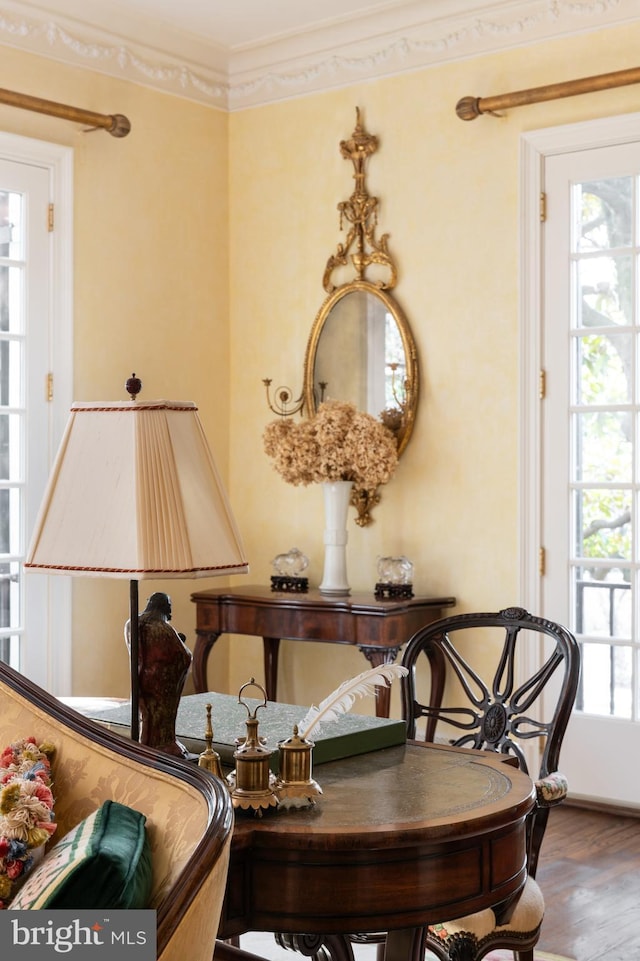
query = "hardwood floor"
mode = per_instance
[{"x": 589, "y": 872}]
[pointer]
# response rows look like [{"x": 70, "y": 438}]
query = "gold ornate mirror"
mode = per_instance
[{"x": 361, "y": 348}]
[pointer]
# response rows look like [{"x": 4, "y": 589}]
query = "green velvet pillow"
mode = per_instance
[{"x": 104, "y": 862}]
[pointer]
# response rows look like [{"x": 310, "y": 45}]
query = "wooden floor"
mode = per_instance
[{"x": 589, "y": 872}]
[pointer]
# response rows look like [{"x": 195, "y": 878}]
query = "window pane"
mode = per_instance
[
  {"x": 606, "y": 680},
  {"x": 10, "y": 447},
  {"x": 11, "y": 225},
  {"x": 10, "y": 373},
  {"x": 603, "y": 447},
  {"x": 603, "y": 523},
  {"x": 604, "y": 364},
  {"x": 9, "y": 595},
  {"x": 11, "y": 299},
  {"x": 10, "y": 650},
  {"x": 10, "y": 520},
  {"x": 604, "y": 213},
  {"x": 604, "y": 287},
  {"x": 603, "y": 601}
]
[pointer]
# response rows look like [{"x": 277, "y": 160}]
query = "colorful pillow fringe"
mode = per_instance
[{"x": 26, "y": 811}]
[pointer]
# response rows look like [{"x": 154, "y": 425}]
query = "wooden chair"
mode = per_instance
[
  {"x": 498, "y": 712},
  {"x": 189, "y": 813}
]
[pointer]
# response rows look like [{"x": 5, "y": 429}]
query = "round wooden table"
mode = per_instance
[{"x": 400, "y": 838}]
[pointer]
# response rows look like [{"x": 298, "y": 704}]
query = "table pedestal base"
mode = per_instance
[
  {"x": 320, "y": 947},
  {"x": 403, "y": 945}
]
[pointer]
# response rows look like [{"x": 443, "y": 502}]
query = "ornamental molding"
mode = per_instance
[{"x": 409, "y": 37}]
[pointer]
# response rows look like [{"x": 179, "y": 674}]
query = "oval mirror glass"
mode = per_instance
[{"x": 361, "y": 350}]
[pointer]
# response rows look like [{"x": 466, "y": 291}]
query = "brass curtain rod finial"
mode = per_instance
[
  {"x": 120, "y": 125},
  {"x": 468, "y": 108}
]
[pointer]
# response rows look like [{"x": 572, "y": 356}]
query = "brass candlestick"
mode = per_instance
[
  {"x": 210, "y": 759},
  {"x": 296, "y": 788},
  {"x": 252, "y": 784}
]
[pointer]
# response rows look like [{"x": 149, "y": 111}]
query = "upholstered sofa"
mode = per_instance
[{"x": 189, "y": 814}]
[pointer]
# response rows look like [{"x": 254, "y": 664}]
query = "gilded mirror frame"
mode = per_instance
[{"x": 361, "y": 252}]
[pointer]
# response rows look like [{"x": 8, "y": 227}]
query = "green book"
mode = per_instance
[{"x": 346, "y": 736}]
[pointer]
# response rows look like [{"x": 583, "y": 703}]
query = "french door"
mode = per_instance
[
  {"x": 589, "y": 444},
  {"x": 35, "y": 384}
]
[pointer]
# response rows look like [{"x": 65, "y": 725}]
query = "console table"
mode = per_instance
[{"x": 378, "y": 628}]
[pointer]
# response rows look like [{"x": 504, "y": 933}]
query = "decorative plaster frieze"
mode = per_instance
[
  {"x": 460, "y": 36},
  {"x": 81, "y": 46},
  {"x": 336, "y": 55}
]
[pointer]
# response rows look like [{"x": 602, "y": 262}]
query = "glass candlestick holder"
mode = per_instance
[
  {"x": 395, "y": 577},
  {"x": 288, "y": 569}
]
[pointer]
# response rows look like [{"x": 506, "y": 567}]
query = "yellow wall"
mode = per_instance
[
  {"x": 449, "y": 197},
  {"x": 150, "y": 288},
  {"x": 201, "y": 240}
]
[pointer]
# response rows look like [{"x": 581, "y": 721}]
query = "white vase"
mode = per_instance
[{"x": 336, "y": 495}]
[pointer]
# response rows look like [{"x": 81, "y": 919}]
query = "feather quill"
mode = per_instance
[{"x": 344, "y": 697}]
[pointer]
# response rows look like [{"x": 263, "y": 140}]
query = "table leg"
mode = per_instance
[
  {"x": 201, "y": 651},
  {"x": 271, "y": 646},
  {"x": 377, "y": 656},
  {"x": 406, "y": 944}
]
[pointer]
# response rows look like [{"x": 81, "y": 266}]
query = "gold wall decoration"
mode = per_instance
[{"x": 361, "y": 349}]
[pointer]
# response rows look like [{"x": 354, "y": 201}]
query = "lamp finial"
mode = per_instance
[{"x": 133, "y": 386}]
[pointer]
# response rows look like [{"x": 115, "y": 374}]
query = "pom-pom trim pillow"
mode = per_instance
[
  {"x": 26, "y": 811},
  {"x": 104, "y": 862}
]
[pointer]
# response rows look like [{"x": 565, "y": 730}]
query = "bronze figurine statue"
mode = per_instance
[{"x": 163, "y": 664}]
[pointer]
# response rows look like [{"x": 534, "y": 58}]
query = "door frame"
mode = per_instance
[
  {"x": 51, "y": 667},
  {"x": 535, "y": 146}
]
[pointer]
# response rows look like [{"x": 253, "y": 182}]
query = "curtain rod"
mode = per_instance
[
  {"x": 115, "y": 124},
  {"x": 468, "y": 108}
]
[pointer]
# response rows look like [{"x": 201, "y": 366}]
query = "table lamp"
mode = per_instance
[{"x": 134, "y": 493}]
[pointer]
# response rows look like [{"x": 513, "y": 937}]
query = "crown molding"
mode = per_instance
[
  {"x": 381, "y": 44},
  {"x": 176, "y": 65}
]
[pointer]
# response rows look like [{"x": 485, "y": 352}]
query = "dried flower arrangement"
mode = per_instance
[
  {"x": 338, "y": 443},
  {"x": 26, "y": 811}
]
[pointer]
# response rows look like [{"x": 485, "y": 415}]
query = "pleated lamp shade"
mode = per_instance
[{"x": 135, "y": 493}]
